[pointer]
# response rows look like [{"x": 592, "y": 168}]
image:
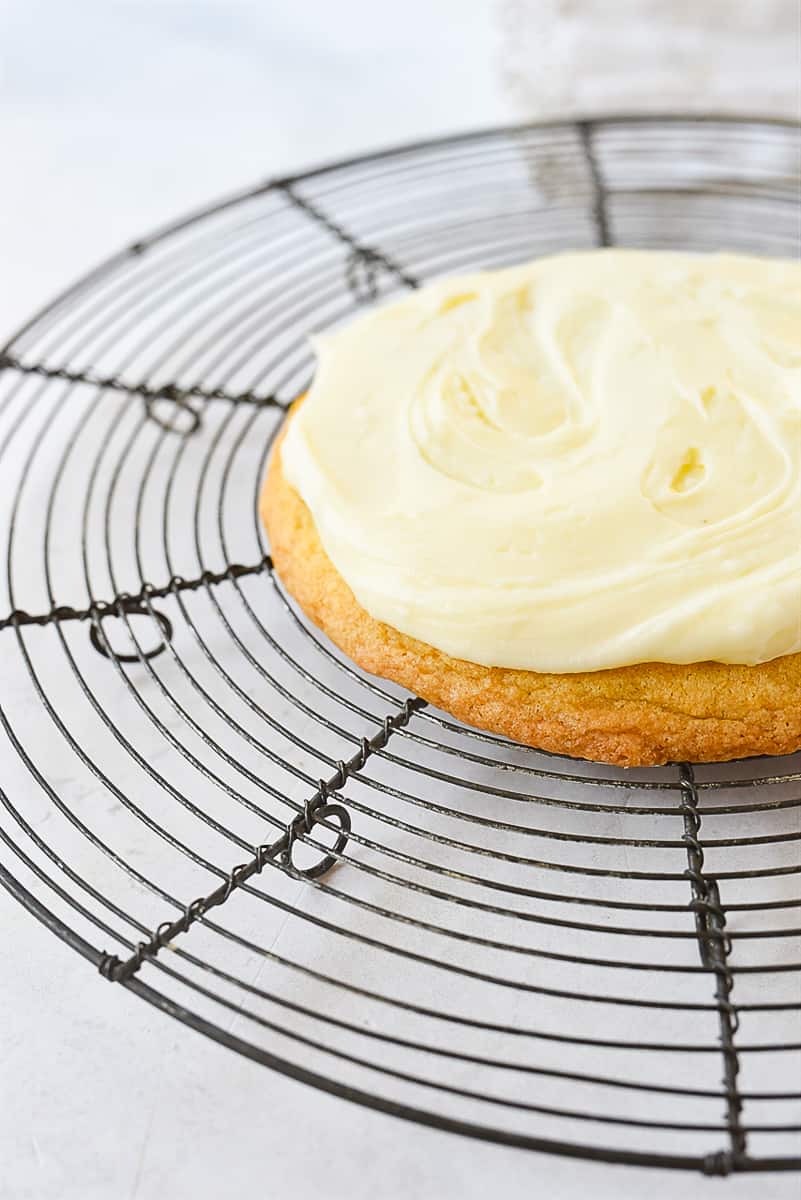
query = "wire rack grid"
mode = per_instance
[{"x": 223, "y": 815}]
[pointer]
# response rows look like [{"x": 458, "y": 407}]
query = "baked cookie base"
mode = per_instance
[{"x": 642, "y": 715}]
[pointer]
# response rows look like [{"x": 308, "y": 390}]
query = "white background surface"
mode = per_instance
[{"x": 116, "y": 117}]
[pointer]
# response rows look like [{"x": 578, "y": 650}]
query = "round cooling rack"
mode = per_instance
[{"x": 223, "y": 815}]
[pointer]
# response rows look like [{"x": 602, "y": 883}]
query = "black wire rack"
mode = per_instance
[{"x": 224, "y": 816}]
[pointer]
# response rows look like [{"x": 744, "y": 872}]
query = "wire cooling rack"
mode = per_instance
[{"x": 223, "y": 815}]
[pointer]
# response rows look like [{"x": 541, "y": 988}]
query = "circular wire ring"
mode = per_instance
[
  {"x": 182, "y": 404},
  {"x": 342, "y": 817},
  {"x": 137, "y": 610}
]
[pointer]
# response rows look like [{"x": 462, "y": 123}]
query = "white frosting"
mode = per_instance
[{"x": 585, "y": 462}]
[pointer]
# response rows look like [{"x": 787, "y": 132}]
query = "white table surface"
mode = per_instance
[{"x": 118, "y": 116}]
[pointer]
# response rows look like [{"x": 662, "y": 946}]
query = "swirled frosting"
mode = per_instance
[{"x": 588, "y": 461}]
